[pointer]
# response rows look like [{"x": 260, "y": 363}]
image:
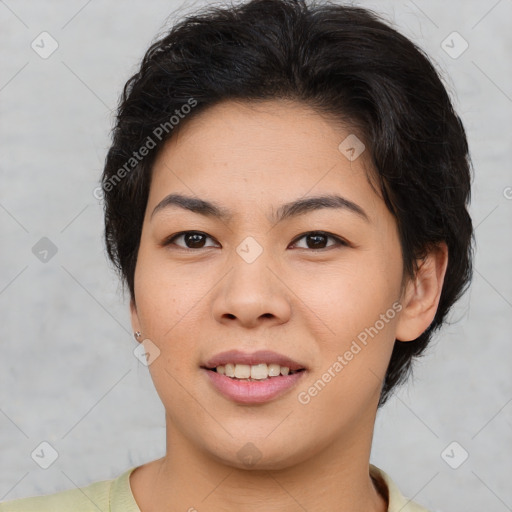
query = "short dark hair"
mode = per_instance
[{"x": 345, "y": 62}]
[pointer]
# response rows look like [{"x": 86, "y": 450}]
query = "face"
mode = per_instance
[{"x": 320, "y": 285}]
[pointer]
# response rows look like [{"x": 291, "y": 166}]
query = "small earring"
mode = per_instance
[{"x": 137, "y": 335}]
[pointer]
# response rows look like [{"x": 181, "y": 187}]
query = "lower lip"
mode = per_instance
[{"x": 253, "y": 392}]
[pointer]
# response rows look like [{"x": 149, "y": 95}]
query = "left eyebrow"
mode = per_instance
[
  {"x": 308, "y": 204},
  {"x": 285, "y": 211}
]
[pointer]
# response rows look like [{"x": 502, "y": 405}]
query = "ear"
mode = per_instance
[
  {"x": 134, "y": 316},
  {"x": 421, "y": 295}
]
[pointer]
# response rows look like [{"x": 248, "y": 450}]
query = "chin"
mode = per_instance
[{"x": 260, "y": 454}]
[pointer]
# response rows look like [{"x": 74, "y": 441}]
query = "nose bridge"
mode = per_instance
[
  {"x": 251, "y": 290},
  {"x": 251, "y": 272}
]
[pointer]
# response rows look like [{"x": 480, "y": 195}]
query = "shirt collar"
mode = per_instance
[
  {"x": 121, "y": 498},
  {"x": 397, "y": 502}
]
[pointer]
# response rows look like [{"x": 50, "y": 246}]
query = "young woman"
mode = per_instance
[{"x": 286, "y": 199}]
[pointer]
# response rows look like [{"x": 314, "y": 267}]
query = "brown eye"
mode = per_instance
[
  {"x": 318, "y": 240},
  {"x": 191, "y": 239}
]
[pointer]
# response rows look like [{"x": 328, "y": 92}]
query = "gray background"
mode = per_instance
[{"x": 68, "y": 373}]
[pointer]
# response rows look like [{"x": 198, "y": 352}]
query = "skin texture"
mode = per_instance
[{"x": 306, "y": 303}]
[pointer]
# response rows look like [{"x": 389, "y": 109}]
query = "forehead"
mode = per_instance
[
  {"x": 272, "y": 151},
  {"x": 276, "y": 126}
]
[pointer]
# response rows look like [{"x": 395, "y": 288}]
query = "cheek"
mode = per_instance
[
  {"x": 346, "y": 298},
  {"x": 353, "y": 310},
  {"x": 352, "y": 362},
  {"x": 168, "y": 304}
]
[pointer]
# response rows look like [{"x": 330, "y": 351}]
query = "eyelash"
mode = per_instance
[{"x": 339, "y": 241}]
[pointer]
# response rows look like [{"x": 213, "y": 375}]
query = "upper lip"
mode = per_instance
[{"x": 253, "y": 358}]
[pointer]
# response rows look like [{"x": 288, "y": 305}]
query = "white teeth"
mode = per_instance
[
  {"x": 259, "y": 371},
  {"x": 254, "y": 372},
  {"x": 274, "y": 370},
  {"x": 230, "y": 370},
  {"x": 242, "y": 371}
]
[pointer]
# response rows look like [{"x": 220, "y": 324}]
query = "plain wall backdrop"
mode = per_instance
[{"x": 68, "y": 373}]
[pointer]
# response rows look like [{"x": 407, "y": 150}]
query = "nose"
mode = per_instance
[{"x": 251, "y": 294}]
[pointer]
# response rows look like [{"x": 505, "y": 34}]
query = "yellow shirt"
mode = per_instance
[{"x": 116, "y": 496}]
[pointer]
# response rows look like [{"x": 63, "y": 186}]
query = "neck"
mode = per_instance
[{"x": 335, "y": 479}]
